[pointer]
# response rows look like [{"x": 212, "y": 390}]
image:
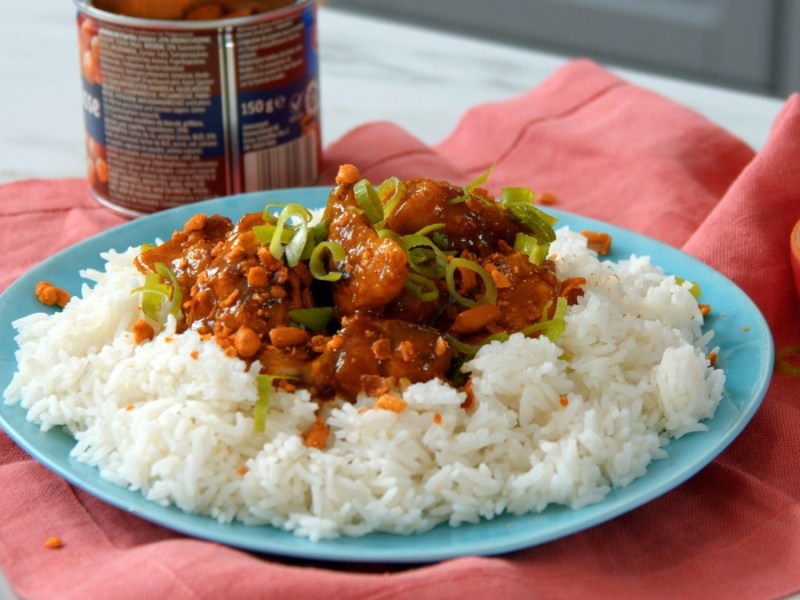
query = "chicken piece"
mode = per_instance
[
  {"x": 366, "y": 346},
  {"x": 244, "y": 286},
  {"x": 532, "y": 288},
  {"x": 189, "y": 250},
  {"x": 476, "y": 224},
  {"x": 232, "y": 287},
  {"x": 375, "y": 269},
  {"x": 524, "y": 290}
]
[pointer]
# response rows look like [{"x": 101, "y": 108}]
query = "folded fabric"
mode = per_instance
[{"x": 605, "y": 149}]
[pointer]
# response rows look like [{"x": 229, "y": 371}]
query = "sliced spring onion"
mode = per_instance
[
  {"x": 470, "y": 350},
  {"x": 551, "y": 328},
  {"x": 424, "y": 256},
  {"x": 422, "y": 287},
  {"x": 295, "y": 249},
  {"x": 153, "y": 295},
  {"x": 296, "y": 218},
  {"x": 440, "y": 239},
  {"x": 519, "y": 201},
  {"x": 176, "y": 298},
  {"x": 490, "y": 294},
  {"x": 316, "y": 262},
  {"x": 397, "y": 190},
  {"x": 368, "y": 200},
  {"x": 267, "y": 213},
  {"x": 694, "y": 290},
  {"x": 320, "y": 230},
  {"x": 265, "y": 233},
  {"x": 430, "y": 262},
  {"x": 315, "y": 319},
  {"x": 264, "y": 383},
  {"x": 154, "y": 292},
  {"x": 529, "y": 245},
  {"x": 389, "y": 233},
  {"x": 430, "y": 228},
  {"x": 479, "y": 181}
]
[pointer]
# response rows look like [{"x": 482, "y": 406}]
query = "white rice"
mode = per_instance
[{"x": 179, "y": 429}]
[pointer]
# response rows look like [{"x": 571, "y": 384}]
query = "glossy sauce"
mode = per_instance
[{"x": 383, "y": 335}]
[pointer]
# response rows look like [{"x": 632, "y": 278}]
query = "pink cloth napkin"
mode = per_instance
[{"x": 606, "y": 149}]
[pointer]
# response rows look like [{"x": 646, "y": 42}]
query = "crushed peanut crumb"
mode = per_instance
[
  {"x": 54, "y": 543},
  {"x": 390, "y": 402}
]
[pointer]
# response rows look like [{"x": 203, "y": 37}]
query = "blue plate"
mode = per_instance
[{"x": 746, "y": 355}]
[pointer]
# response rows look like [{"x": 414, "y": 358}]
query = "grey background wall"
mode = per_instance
[{"x": 751, "y": 45}]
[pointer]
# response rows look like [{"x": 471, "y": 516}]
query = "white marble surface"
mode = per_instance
[{"x": 370, "y": 70}]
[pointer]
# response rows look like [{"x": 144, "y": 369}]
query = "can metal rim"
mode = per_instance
[{"x": 85, "y": 6}]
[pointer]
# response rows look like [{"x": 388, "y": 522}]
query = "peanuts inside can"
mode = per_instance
[{"x": 178, "y": 111}]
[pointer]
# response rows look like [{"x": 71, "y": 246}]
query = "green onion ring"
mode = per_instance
[
  {"x": 390, "y": 202},
  {"x": 293, "y": 249},
  {"x": 315, "y": 319},
  {"x": 264, "y": 384},
  {"x": 479, "y": 181},
  {"x": 368, "y": 200},
  {"x": 422, "y": 287},
  {"x": 550, "y": 328},
  {"x": 490, "y": 295},
  {"x": 316, "y": 263}
]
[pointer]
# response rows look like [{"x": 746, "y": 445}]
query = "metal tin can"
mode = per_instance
[{"x": 181, "y": 111}]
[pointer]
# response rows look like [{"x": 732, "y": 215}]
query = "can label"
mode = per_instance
[{"x": 177, "y": 116}]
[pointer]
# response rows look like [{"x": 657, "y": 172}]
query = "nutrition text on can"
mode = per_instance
[{"x": 178, "y": 111}]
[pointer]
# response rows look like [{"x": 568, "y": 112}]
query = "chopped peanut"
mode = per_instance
[
  {"x": 142, "y": 331},
  {"x": 471, "y": 401},
  {"x": 500, "y": 279},
  {"x": 196, "y": 223},
  {"x": 598, "y": 241},
  {"x": 382, "y": 349},
  {"x": 277, "y": 292},
  {"x": 390, "y": 402},
  {"x": 374, "y": 385},
  {"x": 546, "y": 198},
  {"x": 286, "y": 385},
  {"x": 54, "y": 543},
  {"x": 284, "y": 336},
  {"x": 476, "y": 318},
  {"x": 319, "y": 343},
  {"x": 246, "y": 341},
  {"x": 441, "y": 346},
  {"x": 232, "y": 297},
  {"x": 317, "y": 436},
  {"x": 336, "y": 342},
  {"x": 257, "y": 276},
  {"x": 347, "y": 175},
  {"x": 407, "y": 351},
  {"x": 50, "y": 295}
]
